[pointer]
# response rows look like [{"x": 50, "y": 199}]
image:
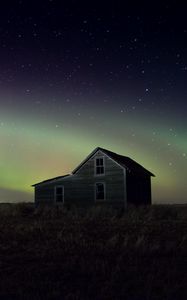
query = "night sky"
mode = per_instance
[{"x": 76, "y": 75}]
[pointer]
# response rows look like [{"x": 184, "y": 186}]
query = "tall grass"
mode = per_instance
[{"x": 101, "y": 253}]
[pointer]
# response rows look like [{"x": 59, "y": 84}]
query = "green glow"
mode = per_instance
[{"x": 33, "y": 150}]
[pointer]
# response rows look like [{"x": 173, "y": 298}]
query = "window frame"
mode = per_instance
[
  {"x": 104, "y": 185},
  {"x": 55, "y": 191},
  {"x": 95, "y": 166}
]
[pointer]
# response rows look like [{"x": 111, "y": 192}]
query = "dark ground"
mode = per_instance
[{"x": 101, "y": 254}]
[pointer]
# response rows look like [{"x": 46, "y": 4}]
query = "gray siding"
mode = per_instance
[{"x": 79, "y": 188}]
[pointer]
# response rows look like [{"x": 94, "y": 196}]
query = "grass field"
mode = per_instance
[{"x": 99, "y": 254}]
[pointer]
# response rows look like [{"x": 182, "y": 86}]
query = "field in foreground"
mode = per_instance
[{"x": 101, "y": 254}]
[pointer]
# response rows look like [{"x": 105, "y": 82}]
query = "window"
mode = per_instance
[
  {"x": 59, "y": 194},
  {"x": 99, "y": 166},
  {"x": 100, "y": 191}
]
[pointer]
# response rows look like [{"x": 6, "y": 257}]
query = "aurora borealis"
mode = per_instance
[{"x": 74, "y": 77}]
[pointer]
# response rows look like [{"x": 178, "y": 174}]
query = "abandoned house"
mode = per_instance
[{"x": 102, "y": 177}]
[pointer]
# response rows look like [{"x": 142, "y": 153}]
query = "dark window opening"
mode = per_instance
[
  {"x": 99, "y": 166},
  {"x": 59, "y": 194},
  {"x": 100, "y": 191}
]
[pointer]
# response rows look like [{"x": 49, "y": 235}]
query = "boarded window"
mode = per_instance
[
  {"x": 99, "y": 166},
  {"x": 59, "y": 194},
  {"x": 100, "y": 191}
]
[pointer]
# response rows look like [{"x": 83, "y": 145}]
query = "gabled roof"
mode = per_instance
[
  {"x": 125, "y": 162},
  {"x": 50, "y": 180}
]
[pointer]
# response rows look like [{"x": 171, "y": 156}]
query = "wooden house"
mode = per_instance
[{"x": 103, "y": 177}]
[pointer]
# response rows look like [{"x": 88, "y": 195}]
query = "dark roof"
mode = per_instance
[
  {"x": 51, "y": 179},
  {"x": 124, "y": 161},
  {"x": 127, "y": 162}
]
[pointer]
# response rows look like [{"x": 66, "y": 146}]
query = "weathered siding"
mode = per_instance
[
  {"x": 44, "y": 194},
  {"x": 79, "y": 188},
  {"x": 113, "y": 178}
]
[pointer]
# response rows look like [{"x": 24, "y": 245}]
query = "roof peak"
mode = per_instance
[
  {"x": 103, "y": 149},
  {"x": 123, "y": 161}
]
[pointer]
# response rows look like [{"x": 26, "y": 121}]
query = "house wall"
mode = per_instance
[
  {"x": 44, "y": 193},
  {"x": 79, "y": 188},
  {"x": 138, "y": 189}
]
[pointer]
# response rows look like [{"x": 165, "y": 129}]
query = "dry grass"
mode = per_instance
[{"x": 102, "y": 253}]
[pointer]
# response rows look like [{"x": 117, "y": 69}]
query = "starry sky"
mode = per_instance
[{"x": 75, "y": 75}]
